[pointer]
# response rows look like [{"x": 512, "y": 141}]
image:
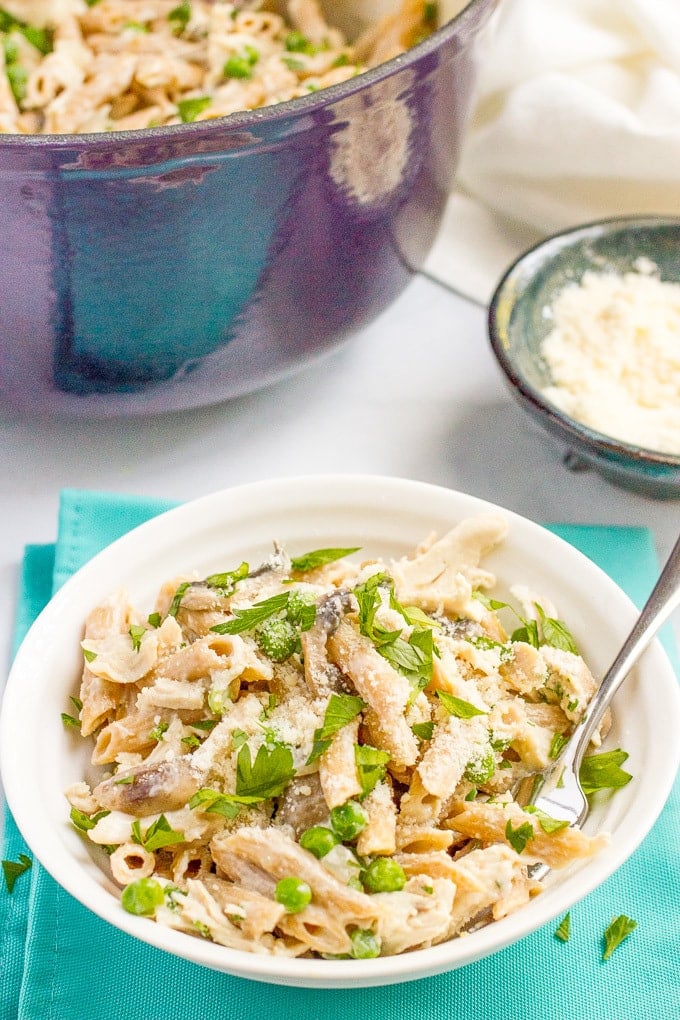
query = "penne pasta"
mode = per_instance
[{"x": 302, "y": 762}]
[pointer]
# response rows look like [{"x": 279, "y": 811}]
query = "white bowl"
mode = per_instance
[{"x": 387, "y": 517}]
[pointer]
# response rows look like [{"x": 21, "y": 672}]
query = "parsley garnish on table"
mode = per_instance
[
  {"x": 563, "y": 930},
  {"x": 13, "y": 869},
  {"x": 618, "y": 930}
]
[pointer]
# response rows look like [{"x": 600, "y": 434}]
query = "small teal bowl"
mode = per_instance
[{"x": 519, "y": 321}]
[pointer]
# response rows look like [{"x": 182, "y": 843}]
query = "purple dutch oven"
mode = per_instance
[{"x": 173, "y": 267}]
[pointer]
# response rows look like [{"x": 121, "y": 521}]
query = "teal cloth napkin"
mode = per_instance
[{"x": 60, "y": 962}]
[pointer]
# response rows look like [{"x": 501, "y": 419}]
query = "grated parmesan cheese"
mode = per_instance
[{"x": 614, "y": 356}]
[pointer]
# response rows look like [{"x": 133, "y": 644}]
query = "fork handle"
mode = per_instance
[{"x": 664, "y": 599}]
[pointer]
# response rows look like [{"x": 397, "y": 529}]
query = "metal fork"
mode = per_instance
[{"x": 557, "y": 791}]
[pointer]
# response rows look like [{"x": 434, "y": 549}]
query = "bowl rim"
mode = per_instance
[
  {"x": 151, "y": 538},
  {"x": 602, "y": 444},
  {"x": 242, "y": 120}
]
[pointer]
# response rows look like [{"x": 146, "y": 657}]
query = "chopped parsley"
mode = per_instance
[
  {"x": 556, "y": 633},
  {"x": 247, "y": 619},
  {"x": 551, "y": 631},
  {"x": 68, "y": 720},
  {"x": 618, "y": 930},
  {"x": 88, "y": 655},
  {"x": 340, "y": 711},
  {"x": 158, "y": 731},
  {"x": 563, "y": 930},
  {"x": 547, "y": 822},
  {"x": 154, "y": 619},
  {"x": 493, "y": 605},
  {"x": 370, "y": 763},
  {"x": 179, "y": 594},
  {"x": 17, "y": 75},
  {"x": 256, "y": 781},
  {"x": 431, "y": 13},
  {"x": 204, "y": 724},
  {"x": 159, "y": 834},
  {"x": 136, "y": 633},
  {"x": 40, "y": 38},
  {"x": 486, "y": 644},
  {"x": 12, "y": 870},
  {"x": 458, "y": 707},
  {"x": 293, "y": 63},
  {"x": 83, "y": 822},
  {"x": 214, "y": 802},
  {"x": 527, "y": 633},
  {"x": 412, "y": 657},
  {"x": 238, "y": 739},
  {"x": 188, "y": 110},
  {"x": 603, "y": 772},
  {"x": 179, "y": 17},
  {"x": 226, "y": 582},
  {"x": 519, "y": 837},
  {"x": 423, "y": 730},
  {"x": 319, "y": 557},
  {"x": 265, "y": 777},
  {"x": 556, "y": 744}
]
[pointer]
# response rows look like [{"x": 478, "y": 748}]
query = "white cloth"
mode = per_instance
[{"x": 577, "y": 118}]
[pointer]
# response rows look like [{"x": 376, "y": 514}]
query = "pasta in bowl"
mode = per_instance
[{"x": 310, "y": 756}]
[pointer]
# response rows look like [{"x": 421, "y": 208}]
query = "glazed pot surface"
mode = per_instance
[{"x": 175, "y": 267}]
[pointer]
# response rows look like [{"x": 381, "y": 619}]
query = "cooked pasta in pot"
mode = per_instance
[
  {"x": 318, "y": 756},
  {"x": 73, "y": 66}
]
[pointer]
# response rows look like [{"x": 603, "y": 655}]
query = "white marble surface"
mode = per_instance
[{"x": 417, "y": 394}]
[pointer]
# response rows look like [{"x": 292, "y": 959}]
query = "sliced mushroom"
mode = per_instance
[
  {"x": 148, "y": 790},
  {"x": 303, "y": 804},
  {"x": 322, "y": 676}
]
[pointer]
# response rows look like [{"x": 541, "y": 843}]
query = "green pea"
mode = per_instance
[
  {"x": 238, "y": 67},
  {"x": 293, "y": 894},
  {"x": 318, "y": 840},
  {"x": 277, "y": 638},
  {"x": 296, "y": 42},
  {"x": 384, "y": 875},
  {"x": 348, "y": 820},
  {"x": 142, "y": 897},
  {"x": 301, "y": 607},
  {"x": 480, "y": 770},
  {"x": 365, "y": 945}
]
